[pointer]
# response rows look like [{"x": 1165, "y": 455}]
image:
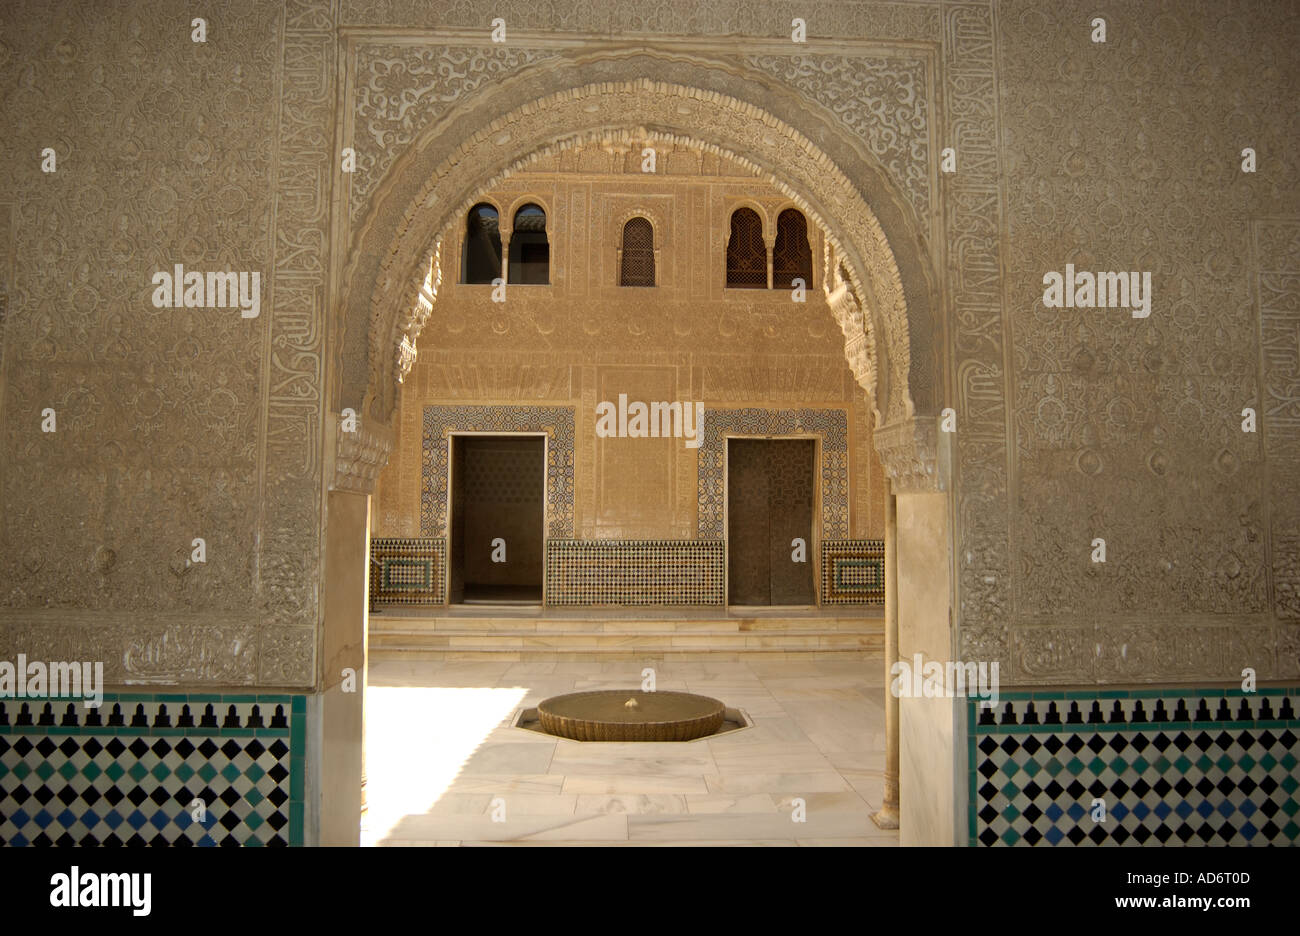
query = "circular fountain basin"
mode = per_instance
[{"x": 605, "y": 715}]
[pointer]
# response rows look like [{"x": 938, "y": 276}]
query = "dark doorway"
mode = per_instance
[
  {"x": 497, "y": 490},
  {"x": 770, "y": 494}
]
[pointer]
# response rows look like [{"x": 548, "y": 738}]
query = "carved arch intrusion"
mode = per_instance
[{"x": 428, "y": 186}]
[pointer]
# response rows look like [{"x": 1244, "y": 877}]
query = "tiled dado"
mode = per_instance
[
  {"x": 408, "y": 570},
  {"x": 129, "y": 772},
  {"x": 634, "y": 572},
  {"x": 413, "y": 571},
  {"x": 1173, "y": 767},
  {"x": 853, "y": 572}
]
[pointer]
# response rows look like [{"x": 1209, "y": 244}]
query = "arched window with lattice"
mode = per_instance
[
  {"x": 746, "y": 252},
  {"x": 530, "y": 251},
  {"x": 637, "y": 259},
  {"x": 481, "y": 257},
  {"x": 791, "y": 256}
]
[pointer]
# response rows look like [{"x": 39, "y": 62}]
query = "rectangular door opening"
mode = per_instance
[
  {"x": 498, "y": 485},
  {"x": 770, "y": 497}
]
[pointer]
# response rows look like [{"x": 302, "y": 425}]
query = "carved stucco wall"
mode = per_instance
[
  {"x": 172, "y": 423},
  {"x": 1127, "y": 156},
  {"x": 1071, "y": 424}
]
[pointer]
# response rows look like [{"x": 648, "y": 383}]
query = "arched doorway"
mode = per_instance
[{"x": 883, "y": 297}]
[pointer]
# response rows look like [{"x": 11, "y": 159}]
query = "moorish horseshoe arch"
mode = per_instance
[{"x": 489, "y": 135}]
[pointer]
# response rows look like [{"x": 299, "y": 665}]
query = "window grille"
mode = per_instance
[
  {"x": 746, "y": 252},
  {"x": 638, "y": 260}
]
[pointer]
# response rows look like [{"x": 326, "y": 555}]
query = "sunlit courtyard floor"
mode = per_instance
[{"x": 444, "y": 767}]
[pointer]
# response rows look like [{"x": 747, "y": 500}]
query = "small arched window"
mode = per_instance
[
  {"x": 637, "y": 265},
  {"x": 481, "y": 259},
  {"x": 791, "y": 256},
  {"x": 746, "y": 252},
  {"x": 530, "y": 252}
]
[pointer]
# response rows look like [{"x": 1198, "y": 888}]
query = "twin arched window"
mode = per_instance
[
  {"x": 747, "y": 254},
  {"x": 637, "y": 260},
  {"x": 529, "y": 252}
]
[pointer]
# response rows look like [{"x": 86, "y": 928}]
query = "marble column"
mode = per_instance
[
  {"x": 887, "y": 816},
  {"x": 343, "y": 668}
]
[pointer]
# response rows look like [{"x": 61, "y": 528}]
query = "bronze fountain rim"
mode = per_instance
[
  {"x": 721, "y": 706},
  {"x": 579, "y": 728}
]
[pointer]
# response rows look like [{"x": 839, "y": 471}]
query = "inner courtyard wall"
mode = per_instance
[{"x": 584, "y": 339}]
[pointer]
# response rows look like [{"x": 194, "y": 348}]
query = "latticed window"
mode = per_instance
[
  {"x": 791, "y": 256},
  {"x": 481, "y": 262},
  {"x": 638, "y": 260},
  {"x": 746, "y": 252}
]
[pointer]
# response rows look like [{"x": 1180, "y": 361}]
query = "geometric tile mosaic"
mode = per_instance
[
  {"x": 634, "y": 572},
  {"x": 830, "y": 424},
  {"x": 1172, "y": 767},
  {"x": 853, "y": 572},
  {"x": 130, "y": 772},
  {"x": 407, "y": 570},
  {"x": 557, "y": 422}
]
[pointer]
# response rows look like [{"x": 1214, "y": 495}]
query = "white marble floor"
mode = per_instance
[{"x": 443, "y": 767}]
